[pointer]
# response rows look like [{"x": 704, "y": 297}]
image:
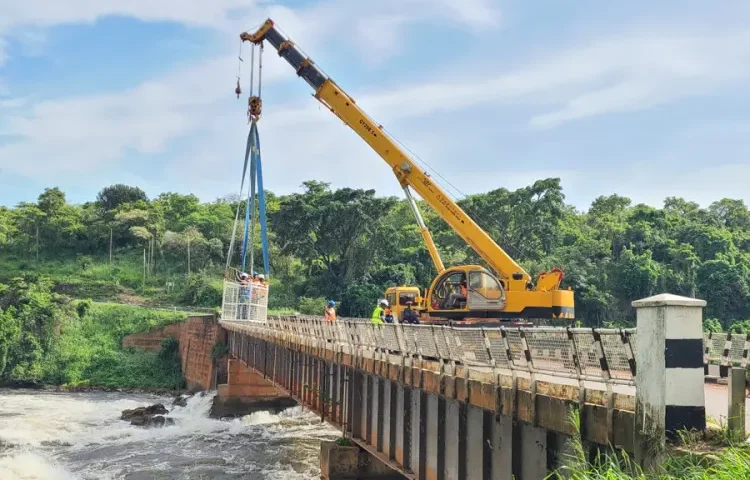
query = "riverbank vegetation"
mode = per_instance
[
  {"x": 717, "y": 454},
  {"x": 731, "y": 463},
  {"x": 50, "y": 338},
  {"x": 350, "y": 244}
]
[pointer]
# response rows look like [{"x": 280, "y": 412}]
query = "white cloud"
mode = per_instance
[
  {"x": 89, "y": 136},
  {"x": 628, "y": 73},
  {"x": 356, "y": 20},
  {"x": 620, "y": 74},
  {"x": 644, "y": 70},
  {"x": 43, "y": 13}
]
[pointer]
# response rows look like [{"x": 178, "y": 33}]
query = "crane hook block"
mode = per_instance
[
  {"x": 254, "y": 107},
  {"x": 238, "y": 90}
]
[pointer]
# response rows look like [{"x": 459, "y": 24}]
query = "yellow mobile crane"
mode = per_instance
[{"x": 466, "y": 291}]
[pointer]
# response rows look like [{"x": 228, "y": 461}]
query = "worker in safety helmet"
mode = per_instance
[
  {"x": 378, "y": 315},
  {"x": 388, "y": 314},
  {"x": 255, "y": 277},
  {"x": 261, "y": 279},
  {"x": 244, "y": 295},
  {"x": 409, "y": 315},
  {"x": 329, "y": 312}
]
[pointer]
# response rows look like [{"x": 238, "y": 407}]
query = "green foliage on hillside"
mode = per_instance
[
  {"x": 47, "y": 337},
  {"x": 349, "y": 245}
]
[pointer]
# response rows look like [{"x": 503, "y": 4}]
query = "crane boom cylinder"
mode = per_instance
[{"x": 431, "y": 247}]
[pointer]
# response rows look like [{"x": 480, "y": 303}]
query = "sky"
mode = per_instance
[{"x": 642, "y": 99}]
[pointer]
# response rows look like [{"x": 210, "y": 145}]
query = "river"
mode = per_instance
[{"x": 65, "y": 436}]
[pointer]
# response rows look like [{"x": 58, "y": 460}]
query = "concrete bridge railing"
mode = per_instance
[
  {"x": 583, "y": 354},
  {"x": 726, "y": 350}
]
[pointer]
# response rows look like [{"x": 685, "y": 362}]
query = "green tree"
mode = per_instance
[
  {"x": 114, "y": 196},
  {"x": 724, "y": 285},
  {"x": 525, "y": 222},
  {"x": 9, "y": 332},
  {"x": 330, "y": 232}
]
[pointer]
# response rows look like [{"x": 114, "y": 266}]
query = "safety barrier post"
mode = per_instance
[
  {"x": 669, "y": 382},
  {"x": 736, "y": 415}
]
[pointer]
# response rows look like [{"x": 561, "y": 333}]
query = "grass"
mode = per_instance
[
  {"x": 728, "y": 462},
  {"x": 95, "y": 278},
  {"x": 137, "y": 369},
  {"x": 87, "y": 350}
]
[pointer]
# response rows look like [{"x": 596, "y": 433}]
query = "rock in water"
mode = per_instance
[
  {"x": 145, "y": 416},
  {"x": 156, "y": 409},
  {"x": 157, "y": 421},
  {"x": 139, "y": 421},
  {"x": 181, "y": 401}
]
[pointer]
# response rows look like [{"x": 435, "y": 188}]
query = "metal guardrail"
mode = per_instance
[
  {"x": 584, "y": 354},
  {"x": 726, "y": 349}
]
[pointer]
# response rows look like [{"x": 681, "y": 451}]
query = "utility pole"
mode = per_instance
[
  {"x": 151, "y": 260},
  {"x": 110, "y": 246},
  {"x": 153, "y": 253},
  {"x": 37, "y": 243},
  {"x": 188, "y": 242},
  {"x": 148, "y": 257},
  {"x": 144, "y": 268}
]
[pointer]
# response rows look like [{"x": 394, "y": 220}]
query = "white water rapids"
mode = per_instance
[{"x": 72, "y": 436}]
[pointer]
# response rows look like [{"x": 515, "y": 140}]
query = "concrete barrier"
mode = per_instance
[{"x": 670, "y": 392}]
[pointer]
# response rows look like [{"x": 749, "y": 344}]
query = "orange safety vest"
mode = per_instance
[{"x": 329, "y": 314}]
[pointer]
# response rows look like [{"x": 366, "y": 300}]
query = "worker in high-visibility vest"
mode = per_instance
[{"x": 378, "y": 315}]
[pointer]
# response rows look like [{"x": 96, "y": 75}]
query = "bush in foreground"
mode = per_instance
[{"x": 733, "y": 463}]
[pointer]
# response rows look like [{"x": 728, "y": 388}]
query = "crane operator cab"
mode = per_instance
[{"x": 464, "y": 291}]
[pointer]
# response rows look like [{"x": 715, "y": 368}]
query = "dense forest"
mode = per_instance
[
  {"x": 350, "y": 244},
  {"x": 345, "y": 244}
]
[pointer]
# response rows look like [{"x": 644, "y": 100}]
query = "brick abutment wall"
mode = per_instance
[
  {"x": 151, "y": 340},
  {"x": 197, "y": 337},
  {"x": 233, "y": 380}
]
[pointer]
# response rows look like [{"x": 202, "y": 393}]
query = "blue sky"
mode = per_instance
[{"x": 644, "y": 99}]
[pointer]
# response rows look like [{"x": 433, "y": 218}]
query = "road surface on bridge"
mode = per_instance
[{"x": 717, "y": 403}]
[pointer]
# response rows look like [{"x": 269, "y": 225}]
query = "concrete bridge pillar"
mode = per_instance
[
  {"x": 246, "y": 391},
  {"x": 669, "y": 380}
]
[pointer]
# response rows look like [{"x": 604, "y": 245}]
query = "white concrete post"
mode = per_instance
[
  {"x": 736, "y": 397},
  {"x": 669, "y": 372}
]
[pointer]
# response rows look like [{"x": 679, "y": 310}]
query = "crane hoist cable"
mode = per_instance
[{"x": 253, "y": 161}]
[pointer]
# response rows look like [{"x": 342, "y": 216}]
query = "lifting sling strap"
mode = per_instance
[{"x": 256, "y": 173}]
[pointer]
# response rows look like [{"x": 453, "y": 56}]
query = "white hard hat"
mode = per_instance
[
  {"x": 243, "y": 275},
  {"x": 262, "y": 277},
  {"x": 384, "y": 302}
]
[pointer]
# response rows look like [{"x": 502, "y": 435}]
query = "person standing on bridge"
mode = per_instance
[
  {"x": 329, "y": 312},
  {"x": 378, "y": 315},
  {"x": 409, "y": 315}
]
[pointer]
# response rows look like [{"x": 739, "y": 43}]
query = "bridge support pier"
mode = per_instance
[
  {"x": 352, "y": 463},
  {"x": 246, "y": 392}
]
